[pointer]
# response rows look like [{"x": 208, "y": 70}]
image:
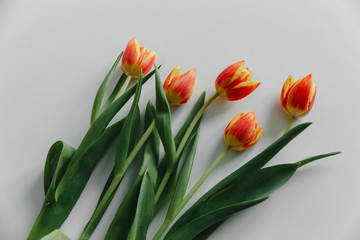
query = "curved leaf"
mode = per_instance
[
  {"x": 57, "y": 160},
  {"x": 54, "y": 213}
]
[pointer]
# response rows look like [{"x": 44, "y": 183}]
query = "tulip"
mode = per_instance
[
  {"x": 243, "y": 131},
  {"x": 178, "y": 88},
  {"x": 235, "y": 83},
  {"x": 137, "y": 58},
  {"x": 297, "y": 98}
]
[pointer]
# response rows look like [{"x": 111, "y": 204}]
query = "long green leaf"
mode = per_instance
[
  {"x": 124, "y": 217},
  {"x": 57, "y": 160},
  {"x": 251, "y": 167},
  {"x": 144, "y": 210},
  {"x": 198, "y": 225},
  {"x": 163, "y": 121},
  {"x": 204, "y": 218},
  {"x": 129, "y": 130},
  {"x": 133, "y": 139},
  {"x": 78, "y": 171},
  {"x": 55, "y": 235},
  {"x": 122, "y": 149},
  {"x": 101, "y": 91},
  {"x": 237, "y": 197},
  {"x": 168, "y": 191},
  {"x": 183, "y": 179},
  {"x": 56, "y": 207},
  {"x": 258, "y": 161}
]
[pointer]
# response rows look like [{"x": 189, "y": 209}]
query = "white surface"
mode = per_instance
[{"x": 54, "y": 55}]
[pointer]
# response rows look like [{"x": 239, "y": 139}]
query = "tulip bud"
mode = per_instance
[
  {"x": 235, "y": 83},
  {"x": 178, "y": 88},
  {"x": 243, "y": 131},
  {"x": 297, "y": 98},
  {"x": 137, "y": 58}
]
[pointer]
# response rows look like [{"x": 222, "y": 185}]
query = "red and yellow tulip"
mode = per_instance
[
  {"x": 243, "y": 131},
  {"x": 297, "y": 98},
  {"x": 235, "y": 83},
  {"x": 137, "y": 58},
  {"x": 179, "y": 87}
]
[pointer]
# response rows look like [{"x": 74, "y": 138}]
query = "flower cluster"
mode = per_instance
[{"x": 67, "y": 169}]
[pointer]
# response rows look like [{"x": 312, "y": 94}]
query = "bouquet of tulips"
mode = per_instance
[{"x": 164, "y": 179}]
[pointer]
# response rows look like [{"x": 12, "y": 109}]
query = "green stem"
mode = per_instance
[
  {"x": 190, "y": 194},
  {"x": 193, "y": 123},
  {"x": 170, "y": 169},
  {"x": 163, "y": 183},
  {"x": 123, "y": 88},
  {"x": 290, "y": 124},
  {"x": 105, "y": 200}
]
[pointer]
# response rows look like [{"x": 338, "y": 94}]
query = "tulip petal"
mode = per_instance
[
  {"x": 175, "y": 72},
  {"x": 148, "y": 62},
  {"x": 287, "y": 85},
  {"x": 181, "y": 87},
  {"x": 242, "y": 90},
  {"x": 241, "y": 130},
  {"x": 132, "y": 52},
  {"x": 229, "y": 74},
  {"x": 258, "y": 135},
  {"x": 312, "y": 99},
  {"x": 299, "y": 96}
]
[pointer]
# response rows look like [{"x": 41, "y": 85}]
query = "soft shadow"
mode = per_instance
[{"x": 277, "y": 121}]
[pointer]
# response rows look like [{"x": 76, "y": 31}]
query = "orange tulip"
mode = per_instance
[
  {"x": 297, "y": 98},
  {"x": 178, "y": 88},
  {"x": 243, "y": 131},
  {"x": 137, "y": 58},
  {"x": 235, "y": 83}
]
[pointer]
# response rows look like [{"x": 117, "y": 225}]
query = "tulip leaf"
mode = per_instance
[
  {"x": 129, "y": 129},
  {"x": 183, "y": 179},
  {"x": 56, "y": 163},
  {"x": 55, "y": 235},
  {"x": 80, "y": 168},
  {"x": 133, "y": 139},
  {"x": 124, "y": 217},
  {"x": 101, "y": 91},
  {"x": 144, "y": 210},
  {"x": 207, "y": 214},
  {"x": 163, "y": 121},
  {"x": 179, "y": 136},
  {"x": 258, "y": 161},
  {"x": 196, "y": 226},
  {"x": 247, "y": 169},
  {"x": 236, "y": 197}
]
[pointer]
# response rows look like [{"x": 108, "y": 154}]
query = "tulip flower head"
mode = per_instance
[
  {"x": 235, "y": 83},
  {"x": 297, "y": 98},
  {"x": 137, "y": 58},
  {"x": 243, "y": 131},
  {"x": 179, "y": 87}
]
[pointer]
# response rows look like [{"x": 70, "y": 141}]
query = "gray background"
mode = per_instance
[{"x": 54, "y": 55}]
